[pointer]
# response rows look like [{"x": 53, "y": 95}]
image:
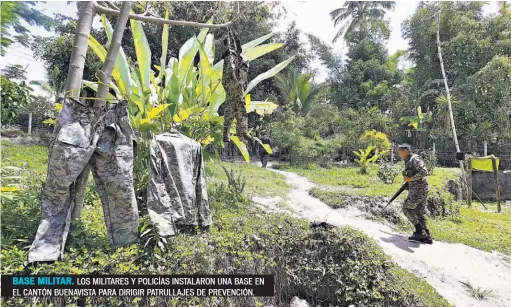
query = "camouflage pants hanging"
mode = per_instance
[
  {"x": 235, "y": 78},
  {"x": 414, "y": 206},
  {"x": 103, "y": 139}
]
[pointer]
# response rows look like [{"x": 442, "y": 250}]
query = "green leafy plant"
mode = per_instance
[
  {"x": 14, "y": 97},
  {"x": 235, "y": 180},
  {"x": 181, "y": 95},
  {"x": 365, "y": 160},
  {"x": 387, "y": 173}
]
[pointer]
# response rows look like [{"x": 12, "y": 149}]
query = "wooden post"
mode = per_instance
[
  {"x": 485, "y": 148},
  {"x": 496, "y": 174},
  {"x": 449, "y": 105},
  {"x": 469, "y": 187},
  {"x": 392, "y": 154},
  {"x": 29, "y": 123}
]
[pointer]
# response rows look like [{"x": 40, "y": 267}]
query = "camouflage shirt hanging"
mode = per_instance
[
  {"x": 234, "y": 80},
  {"x": 176, "y": 192}
]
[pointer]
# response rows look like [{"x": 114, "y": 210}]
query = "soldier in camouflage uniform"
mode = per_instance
[
  {"x": 414, "y": 206},
  {"x": 103, "y": 139},
  {"x": 234, "y": 81},
  {"x": 263, "y": 154}
]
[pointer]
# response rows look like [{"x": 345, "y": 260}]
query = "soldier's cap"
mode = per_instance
[{"x": 405, "y": 146}]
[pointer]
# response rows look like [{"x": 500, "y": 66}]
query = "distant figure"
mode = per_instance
[
  {"x": 414, "y": 206},
  {"x": 263, "y": 154}
]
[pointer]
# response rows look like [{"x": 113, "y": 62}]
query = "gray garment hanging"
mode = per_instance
[
  {"x": 103, "y": 139},
  {"x": 176, "y": 192}
]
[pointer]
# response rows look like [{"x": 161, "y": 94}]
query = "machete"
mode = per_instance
[{"x": 403, "y": 187}]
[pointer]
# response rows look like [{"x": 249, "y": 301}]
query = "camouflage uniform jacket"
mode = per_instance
[
  {"x": 416, "y": 169},
  {"x": 177, "y": 190}
]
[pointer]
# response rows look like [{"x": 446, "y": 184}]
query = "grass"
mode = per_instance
[
  {"x": 243, "y": 240},
  {"x": 365, "y": 185},
  {"x": 485, "y": 230},
  {"x": 33, "y": 157},
  {"x": 477, "y": 293},
  {"x": 259, "y": 181}
]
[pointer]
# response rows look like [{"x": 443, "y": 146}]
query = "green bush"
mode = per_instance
[
  {"x": 332, "y": 268},
  {"x": 430, "y": 160},
  {"x": 441, "y": 204},
  {"x": 378, "y": 140},
  {"x": 387, "y": 173}
]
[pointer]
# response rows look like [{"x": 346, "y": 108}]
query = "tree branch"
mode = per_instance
[
  {"x": 104, "y": 10},
  {"x": 111, "y": 5},
  {"x": 105, "y": 74}
]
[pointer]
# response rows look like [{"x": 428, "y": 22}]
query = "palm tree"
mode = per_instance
[
  {"x": 356, "y": 15},
  {"x": 299, "y": 91}
]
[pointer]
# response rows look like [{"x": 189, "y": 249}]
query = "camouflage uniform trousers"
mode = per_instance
[
  {"x": 103, "y": 139},
  {"x": 235, "y": 102},
  {"x": 414, "y": 206},
  {"x": 264, "y": 158}
]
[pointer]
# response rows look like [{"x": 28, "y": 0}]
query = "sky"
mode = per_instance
[{"x": 311, "y": 16}]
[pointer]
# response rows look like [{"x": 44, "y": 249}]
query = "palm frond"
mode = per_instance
[
  {"x": 376, "y": 13},
  {"x": 341, "y": 32},
  {"x": 388, "y": 5},
  {"x": 342, "y": 17},
  {"x": 337, "y": 12}
]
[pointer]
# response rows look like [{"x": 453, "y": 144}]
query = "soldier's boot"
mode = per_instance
[
  {"x": 428, "y": 239},
  {"x": 418, "y": 235},
  {"x": 416, "y": 232}
]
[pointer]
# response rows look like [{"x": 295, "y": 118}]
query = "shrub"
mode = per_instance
[
  {"x": 430, "y": 160},
  {"x": 235, "y": 180},
  {"x": 442, "y": 204},
  {"x": 387, "y": 173},
  {"x": 378, "y": 140}
]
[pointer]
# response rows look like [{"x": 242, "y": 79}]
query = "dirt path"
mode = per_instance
[{"x": 442, "y": 265}]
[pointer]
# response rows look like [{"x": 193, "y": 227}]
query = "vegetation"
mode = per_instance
[
  {"x": 13, "y": 13},
  {"x": 14, "y": 97},
  {"x": 476, "y": 227},
  {"x": 361, "y": 16},
  {"x": 365, "y": 185},
  {"x": 450, "y": 222},
  {"x": 365, "y": 159},
  {"x": 387, "y": 173},
  {"x": 367, "y": 103},
  {"x": 243, "y": 240},
  {"x": 182, "y": 94}
]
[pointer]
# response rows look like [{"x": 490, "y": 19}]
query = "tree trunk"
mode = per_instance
[
  {"x": 105, "y": 79},
  {"x": 449, "y": 106},
  {"x": 105, "y": 75},
  {"x": 74, "y": 84},
  {"x": 81, "y": 43}
]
